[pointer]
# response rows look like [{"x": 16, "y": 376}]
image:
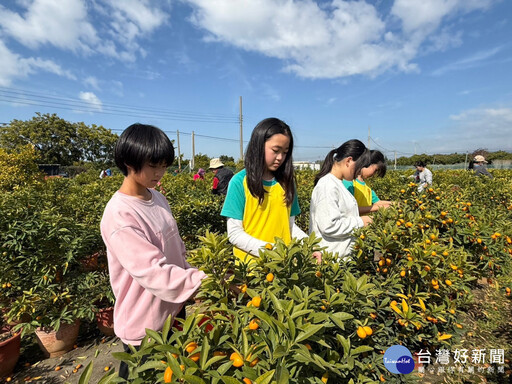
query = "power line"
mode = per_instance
[{"x": 33, "y": 98}]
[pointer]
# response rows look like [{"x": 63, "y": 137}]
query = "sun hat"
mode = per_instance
[
  {"x": 216, "y": 163},
  {"x": 479, "y": 159}
]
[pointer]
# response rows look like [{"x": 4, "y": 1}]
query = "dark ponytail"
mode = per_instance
[
  {"x": 352, "y": 148},
  {"x": 326, "y": 166}
]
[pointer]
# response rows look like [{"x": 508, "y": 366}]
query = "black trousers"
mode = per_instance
[{"x": 123, "y": 367}]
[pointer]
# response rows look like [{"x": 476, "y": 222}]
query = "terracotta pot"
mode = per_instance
[
  {"x": 55, "y": 344},
  {"x": 9, "y": 354},
  {"x": 105, "y": 321}
]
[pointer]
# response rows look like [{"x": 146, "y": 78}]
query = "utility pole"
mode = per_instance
[
  {"x": 192, "y": 161},
  {"x": 241, "y": 132},
  {"x": 466, "y": 161},
  {"x": 395, "y": 160},
  {"x": 368, "y": 137},
  {"x": 179, "y": 152}
]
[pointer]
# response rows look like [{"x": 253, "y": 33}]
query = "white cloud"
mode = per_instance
[
  {"x": 486, "y": 127},
  {"x": 475, "y": 60},
  {"x": 130, "y": 21},
  {"x": 335, "y": 39},
  {"x": 61, "y": 23},
  {"x": 92, "y": 100},
  {"x": 14, "y": 66},
  {"x": 425, "y": 16},
  {"x": 67, "y": 25},
  {"x": 92, "y": 82}
]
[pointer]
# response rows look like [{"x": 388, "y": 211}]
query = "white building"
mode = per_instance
[{"x": 306, "y": 165}]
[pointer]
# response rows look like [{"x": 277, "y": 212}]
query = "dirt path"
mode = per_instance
[{"x": 34, "y": 368}]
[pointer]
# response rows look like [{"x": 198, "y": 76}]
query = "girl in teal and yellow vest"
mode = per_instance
[
  {"x": 367, "y": 199},
  {"x": 261, "y": 202}
]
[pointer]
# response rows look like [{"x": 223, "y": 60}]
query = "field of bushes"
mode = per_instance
[{"x": 412, "y": 279}]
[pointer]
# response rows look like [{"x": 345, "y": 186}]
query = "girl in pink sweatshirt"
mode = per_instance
[{"x": 149, "y": 274}]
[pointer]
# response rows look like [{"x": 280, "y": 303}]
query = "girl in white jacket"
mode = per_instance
[{"x": 334, "y": 212}]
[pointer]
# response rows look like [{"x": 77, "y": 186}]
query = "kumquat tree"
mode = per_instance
[{"x": 432, "y": 273}]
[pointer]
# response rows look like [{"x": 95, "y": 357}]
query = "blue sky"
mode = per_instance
[{"x": 424, "y": 76}]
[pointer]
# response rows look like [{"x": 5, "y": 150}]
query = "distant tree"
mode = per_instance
[
  {"x": 453, "y": 158},
  {"x": 58, "y": 141},
  {"x": 500, "y": 155},
  {"x": 228, "y": 161},
  {"x": 201, "y": 161}
]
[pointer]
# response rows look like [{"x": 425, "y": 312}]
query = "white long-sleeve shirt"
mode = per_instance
[
  {"x": 334, "y": 215},
  {"x": 241, "y": 239}
]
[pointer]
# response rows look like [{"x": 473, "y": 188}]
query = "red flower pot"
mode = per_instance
[
  {"x": 105, "y": 321},
  {"x": 9, "y": 354}
]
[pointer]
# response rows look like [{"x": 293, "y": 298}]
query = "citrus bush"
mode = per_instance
[
  {"x": 282, "y": 319},
  {"x": 18, "y": 169},
  {"x": 410, "y": 278}
]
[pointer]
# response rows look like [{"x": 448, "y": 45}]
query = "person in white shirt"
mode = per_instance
[
  {"x": 334, "y": 213},
  {"x": 422, "y": 175}
]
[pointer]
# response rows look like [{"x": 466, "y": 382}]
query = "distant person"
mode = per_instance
[
  {"x": 423, "y": 175},
  {"x": 480, "y": 168},
  {"x": 261, "y": 202},
  {"x": 149, "y": 274},
  {"x": 221, "y": 178},
  {"x": 105, "y": 173},
  {"x": 200, "y": 174},
  {"x": 334, "y": 214},
  {"x": 367, "y": 199}
]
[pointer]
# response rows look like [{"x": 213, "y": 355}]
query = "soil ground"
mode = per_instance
[
  {"x": 91, "y": 346},
  {"x": 487, "y": 324}
]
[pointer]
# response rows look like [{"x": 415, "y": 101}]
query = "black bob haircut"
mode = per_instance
[
  {"x": 140, "y": 144},
  {"x": 420, "y": 164}
]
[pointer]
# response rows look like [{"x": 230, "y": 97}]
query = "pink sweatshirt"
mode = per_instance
[{"x": 146, "y": 258}]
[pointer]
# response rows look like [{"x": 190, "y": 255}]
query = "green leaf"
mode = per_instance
[
  {"x": 205, "y": 349},
  {"x": 230, "y": 380},
  {"x": 150, "y": 365},
  {"x": 193, "y": 379},
  {"x": 124, "y": 356},
  {"x": 283, "y": 375},
  {"x": 166, "y": 328},
  {"x": 291, "y": 327},
  {"x": 345, "y": 343},
  {"x": 277, "y": 304},
  {"x": 154, "y": 335},
  {"x": 213, "y": 360},
  {"x": 310, "y": 331},
  {"x": 266, "y": 378},
  {"x": 110, "y": 378},
  {"x": 86, "y": 374},
  {"x": 188, "y": 324},
  {"x": 339, "y": 317},
  {"x": 301, "y": 313},
  {"x": 280, "y": 351},
  {"x": 224, "y": 367},
  {"x": 361, "y": 349}
]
